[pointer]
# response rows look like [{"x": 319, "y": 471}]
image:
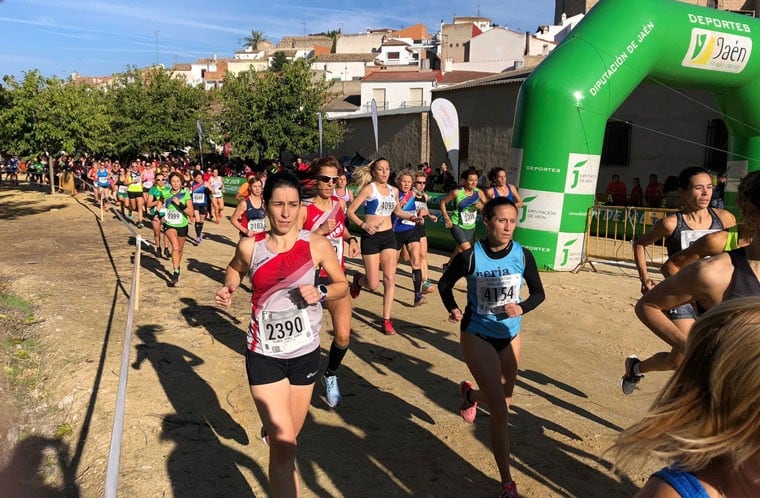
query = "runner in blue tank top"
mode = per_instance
[
  {"x": 490, "y": 325},
  {"x": 501, "y": 188}
]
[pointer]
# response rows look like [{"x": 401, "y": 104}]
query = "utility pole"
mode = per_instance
[{"x": 156, "y": 48}]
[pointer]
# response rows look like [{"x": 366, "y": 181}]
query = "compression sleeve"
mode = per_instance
[{"x": 535, "y": 287}]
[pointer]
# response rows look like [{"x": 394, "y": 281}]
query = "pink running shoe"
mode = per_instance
[
  {"x": 509, "y": 490},
  {"x": 468, "y": 410},
  {"x": 388, "y": 327}
]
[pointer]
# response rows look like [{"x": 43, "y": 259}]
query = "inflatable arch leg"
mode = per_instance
[{"x": 564, "y": 105}]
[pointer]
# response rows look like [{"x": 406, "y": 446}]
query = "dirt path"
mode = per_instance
[{"x": 191, "y": 428}]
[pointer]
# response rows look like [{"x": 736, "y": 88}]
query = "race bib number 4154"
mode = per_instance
[{"x": 495, "y": 292}]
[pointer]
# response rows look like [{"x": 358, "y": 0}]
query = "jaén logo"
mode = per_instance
[{"x": 717, "y": 51}]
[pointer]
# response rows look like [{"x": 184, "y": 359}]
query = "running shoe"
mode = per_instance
[
  {"x": 356, "y": 287},
  {"x": 419, "y": 299},
  {"x": 198, "y": 240},
  {"x": 332, "y": 391},
  {"x": 509, "y": 490},
  {"x": 428, "y": 287},
  {"x": 388, "y": 327},
  {"x": 167, "y": 254},
  {"x": 264, "y": 436},
  {"x": 468, "y": 410},
  {"x": 140, "y": 224},
  {"x": 630, "y": 380},
  {"x": 174, "y": 280}
]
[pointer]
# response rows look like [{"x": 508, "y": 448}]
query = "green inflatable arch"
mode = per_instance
[{"x": 564, "y": 105}]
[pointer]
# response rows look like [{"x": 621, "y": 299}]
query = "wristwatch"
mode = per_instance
[{"x": 322, "y": 288}]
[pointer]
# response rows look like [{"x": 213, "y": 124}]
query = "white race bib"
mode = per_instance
[
  {"x": 468, "y": 217},
  {"x": 338, "y": 246},
  {"x": 688, "y": 237},
  {"x": 284, "y": 331},
  {"x": 199, "y": 198},
  {"x": 494, "y": 292},
  {"x": 257, "y": 225},
  {"x": 122, "y": 189},
  {"x": 173, "y": 216}
]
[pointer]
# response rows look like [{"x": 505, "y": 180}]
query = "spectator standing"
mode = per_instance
[
  {"x": 653, "y": 192},
  {"x": 637, "y": 193},
  {"x": 616, "y": 190}
]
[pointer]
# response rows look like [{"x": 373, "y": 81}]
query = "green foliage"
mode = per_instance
[
  {"x": 153, "y": 112},
  {"x": 279, "y": 61},
  {"x": 269, "y": 113},
  {"x": 254, "y": 39}
]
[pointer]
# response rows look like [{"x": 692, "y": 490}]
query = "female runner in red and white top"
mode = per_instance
[
  {"x": 325, "y": 215},
  {"x": 282, "y": 358}
]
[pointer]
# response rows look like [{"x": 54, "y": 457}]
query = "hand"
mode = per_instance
[
  {"x": 647, "y": 285},
  {"x": 455, "y": 315},
  {"x": 223, "y": 297},
  {"x": 371, "y": 230},
  {"x": 513, "y": 310},
  {"x": 353, "y": 250},
  {"x": 327, "y": 227},
  {"x": 309, "y": 293},
  {"x": 448, "y": 224}
]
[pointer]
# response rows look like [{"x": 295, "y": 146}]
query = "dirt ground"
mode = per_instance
[{"x": 191, "y": 428}]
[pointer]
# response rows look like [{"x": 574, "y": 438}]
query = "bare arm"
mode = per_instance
[
  {"x": 323, "y": 255},
  {"x": 236, "y": 215},
  {"x": 709, "y": 245},
  {"x": 445, "y": 214},
  {"x": 517, "y": 196},
  {"x": 705, "y": 282},
  {"x": 358, "y": 201},
  {"x": 662, "y": 228}
]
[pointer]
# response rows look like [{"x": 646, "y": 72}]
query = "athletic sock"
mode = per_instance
[
  {"x": 417, "y": 280},
  {"x": 335, "y": 358},
  {"x": 636, "y": 369},
  {"x": 198, "y": 229}
]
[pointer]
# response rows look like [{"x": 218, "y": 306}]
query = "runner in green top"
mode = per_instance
[
  {"x": 179, "y": 209},
  {"x": 468, "y": 200},
  {"x": 156, "y": 212}
]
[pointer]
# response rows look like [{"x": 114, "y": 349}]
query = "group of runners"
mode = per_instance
[
  {"x": 167, "y": 197},
  {"x": 296, "y": 262},
  {"x": 293, "y": 244}
]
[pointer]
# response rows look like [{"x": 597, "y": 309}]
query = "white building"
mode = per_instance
[{"x": 398, "y": 89}]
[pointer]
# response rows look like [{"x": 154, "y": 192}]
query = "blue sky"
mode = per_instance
[{"x": 101, "y": 37}]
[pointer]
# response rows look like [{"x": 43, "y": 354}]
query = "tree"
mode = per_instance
[
  {"x": 153, "y": 112},
  {"x": 254, "y": 39},
  {"x": 269, "y": 113},
  {"x": 279, "y": 61}
]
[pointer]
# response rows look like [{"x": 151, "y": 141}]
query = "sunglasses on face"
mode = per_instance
[{"x": 327, "y": 179}]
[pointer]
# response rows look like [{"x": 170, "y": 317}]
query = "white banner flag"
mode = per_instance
[
  {"x": 445, "y": 115},
  {"x": 373, "y": 108}
]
